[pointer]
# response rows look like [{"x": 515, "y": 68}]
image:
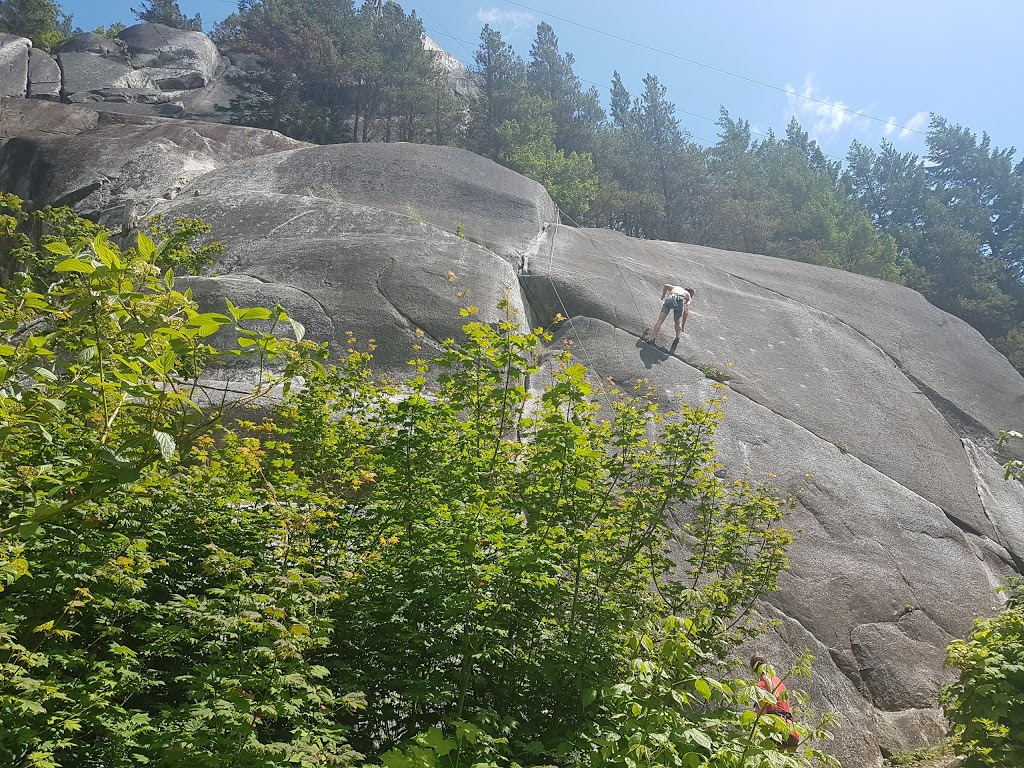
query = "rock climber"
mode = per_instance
[
  {"x": 767, "y": 681},
  {"x": 676, "y": 300}
]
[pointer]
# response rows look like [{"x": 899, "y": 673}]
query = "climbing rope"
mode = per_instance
[
  {"x": 568, "y": 317},
  {"x": 614, "y": 261}
]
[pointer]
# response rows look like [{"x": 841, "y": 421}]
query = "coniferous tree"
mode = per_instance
[
  {"x": 982, "y": 188},
  {"x": 395, "y": 76},
  {"x": 575, "y": 113},
  {"x": 167, "y": 12},
  {"x": 502, "y": 93},
  {"x": 300, "y": 79},
  {"x": 41, "y": 21},
  {"x": 621, "y": 103}
]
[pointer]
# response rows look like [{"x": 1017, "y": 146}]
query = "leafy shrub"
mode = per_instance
[
  {"x": 986, "y": 706},
  {"x": 922, "y": 756},
  {"x": 450, "y": 570}
]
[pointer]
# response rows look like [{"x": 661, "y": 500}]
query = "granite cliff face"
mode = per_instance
[
  {"x": 150, "y": 70},
  {"x": 874, "y": 409}
]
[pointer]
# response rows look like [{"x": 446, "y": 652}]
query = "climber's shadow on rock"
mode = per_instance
[{"x": 652, "y": 354}]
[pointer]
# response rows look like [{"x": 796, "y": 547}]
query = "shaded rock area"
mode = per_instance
[
  {"x": 91, "y": 42},
  {"x": 88, "y": 77},
  {"x": 875, "y": 411},
  {"x": 115, "y": 168},
  {"x": 43, "y": 76}
]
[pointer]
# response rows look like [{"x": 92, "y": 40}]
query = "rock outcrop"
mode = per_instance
[
  {"x": 14, "y": 65},
  {"x": 44, "y": 76},
  {"x": 115, "y": 168},
  {"x": 875, "y": 410},
  {"x": 151, "y": 70}
]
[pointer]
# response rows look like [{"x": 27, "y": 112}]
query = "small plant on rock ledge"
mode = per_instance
[{"x": 713, "y": 373}]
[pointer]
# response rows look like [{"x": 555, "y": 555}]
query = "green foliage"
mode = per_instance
[
  {"x": 120, "y": 590},
  {"x": 167, "y": 12},
  {"x": 41, "y": 21},
  {"x": 184, "y": 245},
  {"x": 501, "y": 110},
  {"x": 669, "y": 712},
  {"x": 1014, "y": 469},
  {"x": 922, "y": 757},
  {"x": 716, "y": 374},
  {"x": 112, "y": 31},
  {"x": 330, "y": 73},
  {"x": 446, "y": 570},
  {"x": 986, "y": 705},
  {"x": 570, "y": 180}
]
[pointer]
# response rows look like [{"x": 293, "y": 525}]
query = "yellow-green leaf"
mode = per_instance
[{"x": 75, "y": 265}]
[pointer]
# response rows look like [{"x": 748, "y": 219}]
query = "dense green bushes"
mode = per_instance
[
  {"x": 450, "y": 570},
  {"x": 986, "y": 706}
]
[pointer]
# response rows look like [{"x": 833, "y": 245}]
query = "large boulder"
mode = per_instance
[
  {"x": 86, "y": 75},
  {"x": 91, "y": 42},
  {"x": 452, "y": 189},
  {"x": 43, "y": 76},
  {"x": 340, "y": 268},
  {"x": 14, "y": 65},
  {"x": 174, "y": 59},
  {"x": 115, "y": 168}
]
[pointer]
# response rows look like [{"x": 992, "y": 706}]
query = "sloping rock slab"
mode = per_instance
[
  {"x": 119, "y": 162},
  {"x": 880, "y": 580},
  {"x": 90, "y": 42},
  {"x": 208, "y": 103},
  {"x": 975, "y": 388},
  {"x": 354, "y": 268},
  {"x": 43, "y": 76},
  {"x": 447, "y": 187},
  {"x": 14, "y": 65},
  {"x": 797, "y": 359},
  {"x": 84, "y": 72},
  {"x": 28, "y": 118},
  {"x": 160, "y": 50}
]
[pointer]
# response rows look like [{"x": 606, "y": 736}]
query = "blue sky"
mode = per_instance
[{"x": 892, "y": 61}]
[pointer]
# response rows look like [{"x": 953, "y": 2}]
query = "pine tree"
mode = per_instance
[
  {"x": 575, "y": 113},
  {"x": 168, "y": 12},
  {"x": 502, "y": 92},
  {"x": 41, "y": 21}
]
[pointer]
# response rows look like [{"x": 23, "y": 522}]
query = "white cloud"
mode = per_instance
[
  {"x": 821, "y": 116},
  {"x": 825, "y": 115},
  {"x": 916, "y": 123},
  {"x": 904, "y": 129},
  {"x": 509, "y": 22}
]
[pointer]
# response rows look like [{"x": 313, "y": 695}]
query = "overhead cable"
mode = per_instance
[{"x": 738, "y": 76}]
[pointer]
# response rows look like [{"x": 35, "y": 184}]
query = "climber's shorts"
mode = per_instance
[{"x": 673, "y": 304}]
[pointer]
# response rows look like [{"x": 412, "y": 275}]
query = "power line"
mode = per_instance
[
  {"x": 588, "y": 82},
  {"x": 446, "y": 33},
  {"x": 716, "y": 69},
  {"x": 706, "y": 140}
]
